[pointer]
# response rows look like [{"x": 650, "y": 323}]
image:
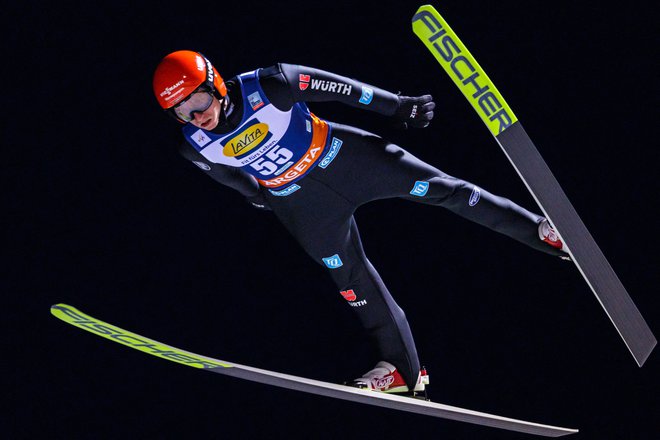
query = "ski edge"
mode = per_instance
[{"x": 75, "y": 317}]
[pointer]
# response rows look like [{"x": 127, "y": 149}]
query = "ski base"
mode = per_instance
[
  {"x": 414, "y": 405},
  {"x": 584, "y": 251}
]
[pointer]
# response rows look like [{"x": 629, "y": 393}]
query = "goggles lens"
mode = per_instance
[{"x": 198, "y": 102}]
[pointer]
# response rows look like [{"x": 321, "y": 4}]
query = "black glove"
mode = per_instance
[
  {"x": 414, "y": 111},
  {"x": 258, "y": 201}
]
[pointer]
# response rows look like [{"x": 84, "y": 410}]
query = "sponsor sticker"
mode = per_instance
[
  {"x": 176, "y": 96},
  {"x": 304, "y": 81},
  {"x": 367, "y": 95},
  {"x": 331, "y": 86},
  {"x": 349, "y": 295},
  {"x": 255, "y": 100},
  {"x": 200, "y": 63},
  {"x": 333, "y": 262},
  {"x": 202, "y": 165},
  {"x": 475, "y": 196},
  {"x": 286, "y": 191},
  {"x": 200, "y": 138},
  {"x": 332, "y": 153},
  {"x": 170, "y": 89},
  {"x": 384, "y": 382},
  {"x": 420, "y": 189},
  {"x": 248, "y": 139},
  {"x": 296, "y": 170}
]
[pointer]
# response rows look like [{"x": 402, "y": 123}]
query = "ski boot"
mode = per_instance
[
  {"x": 550, "y": 236},
  {"x": 385, "y": 378}
]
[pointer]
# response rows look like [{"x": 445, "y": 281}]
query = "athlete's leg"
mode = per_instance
[
  {"x": 322, "y": 222},
  {"x": 374, "y": 168}
]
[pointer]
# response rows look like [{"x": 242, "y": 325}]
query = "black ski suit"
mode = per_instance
[{"x": 319, "y": 213}]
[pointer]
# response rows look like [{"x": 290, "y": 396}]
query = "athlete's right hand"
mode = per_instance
[{"x": 414, "y": 111}]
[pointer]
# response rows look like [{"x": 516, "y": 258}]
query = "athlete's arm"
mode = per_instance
[
  {"x": 285, "y": 84},
  {"x": 289, "y": 83},
  {"x": 226, "y": 175}
]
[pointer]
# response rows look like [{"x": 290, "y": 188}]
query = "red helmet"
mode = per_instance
[{"x": 181, "y": 73}]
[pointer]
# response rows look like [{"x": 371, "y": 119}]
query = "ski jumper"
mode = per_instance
[{"x": 312, "y": 174}]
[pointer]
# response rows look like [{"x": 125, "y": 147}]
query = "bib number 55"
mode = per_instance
[{"x": 268, "y": 164}]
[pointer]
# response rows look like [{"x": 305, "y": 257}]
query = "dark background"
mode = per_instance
[{"x": 104, "y": 215}]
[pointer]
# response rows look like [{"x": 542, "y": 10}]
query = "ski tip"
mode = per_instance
[
  {"x": 59, "y": 306},
  {"x": 422, "y": 10},
  {"x": 61, "y": 311}
]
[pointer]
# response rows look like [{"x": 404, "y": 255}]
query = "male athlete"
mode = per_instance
[{"x": 255, "y": 134}]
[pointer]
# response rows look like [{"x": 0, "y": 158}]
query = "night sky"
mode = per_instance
[{"x": 103, "y": 214}]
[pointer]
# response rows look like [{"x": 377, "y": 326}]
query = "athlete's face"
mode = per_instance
[{"x": 209, "y": 118}]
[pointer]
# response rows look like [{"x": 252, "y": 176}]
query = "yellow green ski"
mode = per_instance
[
  {"x": 111, "y": 332},
  {"x": 493, "y": 110}
]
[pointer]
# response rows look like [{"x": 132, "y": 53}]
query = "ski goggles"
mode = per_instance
[{"x": 198, "y": 102}]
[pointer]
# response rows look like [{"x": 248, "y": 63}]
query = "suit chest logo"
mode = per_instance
[{"x": 248, "y": 139}]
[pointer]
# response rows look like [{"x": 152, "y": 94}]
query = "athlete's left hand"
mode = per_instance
[{"x": 414, "y": 111}]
